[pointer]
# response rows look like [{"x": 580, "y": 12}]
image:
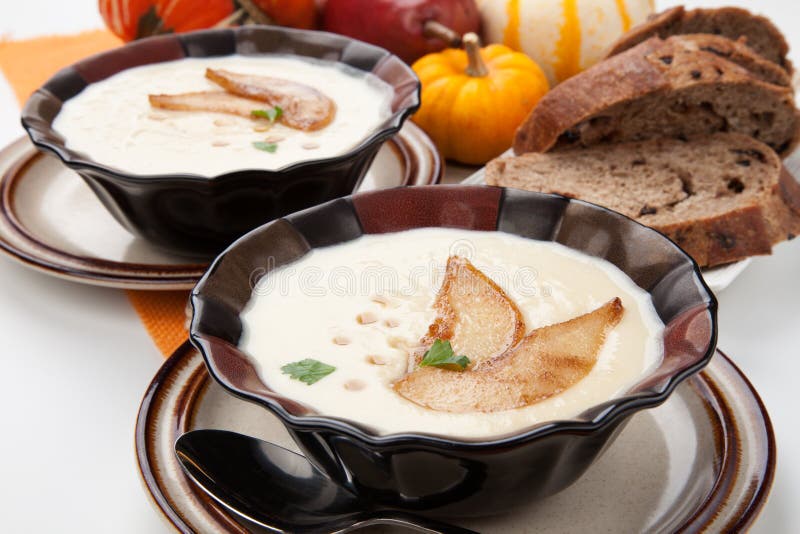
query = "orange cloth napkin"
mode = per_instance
[
  {"x": 27, "y": 64},
  {"x": 163, "y": 314}
]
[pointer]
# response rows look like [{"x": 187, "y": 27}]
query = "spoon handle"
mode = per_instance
[{"x": 416, "y": 522}]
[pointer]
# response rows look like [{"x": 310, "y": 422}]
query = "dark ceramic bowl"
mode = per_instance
[
  {"x": 437, "y": 475},
  {"x": 200, "y": 215}
]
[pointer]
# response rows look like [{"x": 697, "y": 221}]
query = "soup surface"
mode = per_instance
[
  {"x": 358, "y": 306},
  {"x": 113, "y": 122}
]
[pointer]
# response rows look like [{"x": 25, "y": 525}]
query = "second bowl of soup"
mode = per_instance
[{"x": 191, "y": 140}]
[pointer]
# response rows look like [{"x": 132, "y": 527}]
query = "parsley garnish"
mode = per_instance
[
  {"x": 266, "y": 147},
  {"x": 270, "y": 114},
  {"x": 308, "y": 370},
  {"x": 441, "y": 355}
]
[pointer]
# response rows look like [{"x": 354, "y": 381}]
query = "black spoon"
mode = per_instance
[{"x": 279, "y": 490}]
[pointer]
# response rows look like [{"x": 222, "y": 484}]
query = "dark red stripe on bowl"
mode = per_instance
[{"x": 465, "y": 207}]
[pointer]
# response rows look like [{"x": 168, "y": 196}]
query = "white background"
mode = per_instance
[{"x": 75, "y": 361}]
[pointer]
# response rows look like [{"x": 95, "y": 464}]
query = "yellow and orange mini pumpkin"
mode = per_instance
[
  {"x": 473, "y": 100},
  {"x": 563, "y": 36}
]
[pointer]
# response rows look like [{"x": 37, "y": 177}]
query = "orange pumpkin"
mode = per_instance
[
  {"x": 133, "y": 19},
  {"x": 473, "y": 100}
]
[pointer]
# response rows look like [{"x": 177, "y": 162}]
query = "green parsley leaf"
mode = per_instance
[
  {"x": 270, "y": 114},
  {"x": 441, "y": 355},
  {"x": 266, "y": 147},
  {"x": 308, "y": 370}
]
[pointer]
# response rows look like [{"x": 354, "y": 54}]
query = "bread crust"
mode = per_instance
[
  {"x": 722, "y": 239},
  {"x": 741, "y": 54},
  {"x": 656, "y": 68},
  {"x": 757, "y": 31},
  {"x": 786, "y": 207},
  {"x": 790, "y": 190},
  {"x": 718, "y": 237},
  {"x": 617, "y": 79},
  {"x": 742, "y": 233}
]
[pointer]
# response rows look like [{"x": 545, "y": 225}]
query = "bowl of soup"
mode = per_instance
[
  {"x": 453, "y": 350},
  {"x": 191, "y": 140}
]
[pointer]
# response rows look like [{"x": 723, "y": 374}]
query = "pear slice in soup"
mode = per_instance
[
  {"x": 548, "y": 361},
  {"x": 474, "y": 314},
  {"x": 304, "y": 107},
  {"x": 213, "y": 101}
]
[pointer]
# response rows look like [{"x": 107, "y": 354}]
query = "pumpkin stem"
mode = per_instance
[
  {"x": 436, "y": 30},
  {"x": 231, "y": 20},
  {"x": 472, "y": 45},
  {"x": 258, "y": 15}
]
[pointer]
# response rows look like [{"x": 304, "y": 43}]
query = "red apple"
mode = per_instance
[{"x": 397, "y": 25}]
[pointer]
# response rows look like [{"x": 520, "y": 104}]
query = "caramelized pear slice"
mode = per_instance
[
  {"x": 303, "y": 107},
  {"x": 213, "y": 101},
  {"x": 554, "y": 358},
  {"x": 474, "y": 314},
  {"x": 548, "y": 361}
]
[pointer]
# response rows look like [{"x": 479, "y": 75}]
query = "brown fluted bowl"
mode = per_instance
[
  {"x": 199, "y": 215},
  {"x": 439, "y": 475}
]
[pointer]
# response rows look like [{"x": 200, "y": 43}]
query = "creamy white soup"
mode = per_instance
[
  {"x": 113, "y": 122},
  {"x": 358, "y": 306}
]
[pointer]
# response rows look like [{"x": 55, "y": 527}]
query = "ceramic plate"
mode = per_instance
[
  {"x": 717, "y": 278},
  {"x": 703, "y": 461},
  {"x": 50, "y": 220}
]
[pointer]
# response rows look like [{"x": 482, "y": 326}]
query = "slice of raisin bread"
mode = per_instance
[
  {"x": 739, "y": 53},
  {"x": 758, "y": 32},
  {"x": 722, "y": 197},
  {"x": 660, "y": 88}
]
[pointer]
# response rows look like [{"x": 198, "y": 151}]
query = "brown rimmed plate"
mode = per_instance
[
  {"x": 51, "y": 221},
  {"x": 702, "y": 461}
]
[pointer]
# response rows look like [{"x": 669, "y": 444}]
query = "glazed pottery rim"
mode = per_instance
[
  {"x": 609, "y": 413},
  {"x": 44, "y": 136}
]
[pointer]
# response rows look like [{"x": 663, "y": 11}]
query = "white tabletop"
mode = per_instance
[{"x": 75, "y": 360}]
